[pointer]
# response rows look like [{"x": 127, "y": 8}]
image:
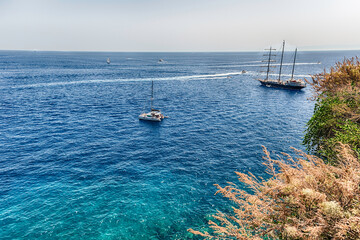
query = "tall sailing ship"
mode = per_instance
[{"x": 279, "y": 83}]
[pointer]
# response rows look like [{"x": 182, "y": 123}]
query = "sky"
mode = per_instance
[{"x": 176, "y": 26}]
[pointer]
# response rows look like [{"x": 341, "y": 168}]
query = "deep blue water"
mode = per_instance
[{"x": 76, "y": 163}]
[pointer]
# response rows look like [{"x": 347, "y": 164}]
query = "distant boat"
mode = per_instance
[
  {"x": 278, "y": 83},
  {"x": 243, "y": 71},
  {"x": 154, "y": 115},
  {"x": 108, "y": 61},
  {"x": 161, "y": 60}
]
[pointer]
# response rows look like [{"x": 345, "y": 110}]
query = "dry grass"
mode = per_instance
[
  {"x": 344, "y": 76},
  {"x": 304, "y": 199}
]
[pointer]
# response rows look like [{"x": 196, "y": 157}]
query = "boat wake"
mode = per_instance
[
  {"x": 260, "y": 65},
  {"x": 177, "y": 78},
  {"x": 286, "y": 75}
]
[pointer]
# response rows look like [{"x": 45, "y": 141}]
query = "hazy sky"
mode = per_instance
[{"x": 183, "y": 25}]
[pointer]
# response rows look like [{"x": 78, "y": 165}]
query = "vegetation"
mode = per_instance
[
  {"x": 337, "y": 111},
  {"x": 304, "y": 199},
  {"x": 345, "y": 75},
  {"x": 307, "y": 197}
]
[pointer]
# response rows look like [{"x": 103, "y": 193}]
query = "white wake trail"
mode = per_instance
[{"x": 181, "y": 78}]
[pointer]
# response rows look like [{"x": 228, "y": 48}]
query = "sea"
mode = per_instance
[{"x": 76, "y": 162}]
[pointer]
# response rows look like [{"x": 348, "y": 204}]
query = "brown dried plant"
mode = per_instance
[
  {"x": 304, "y": 199},
  {"x": 344, "y": 75}
]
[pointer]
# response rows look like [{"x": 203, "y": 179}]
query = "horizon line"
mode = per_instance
[{"x": 151, "y": 51}]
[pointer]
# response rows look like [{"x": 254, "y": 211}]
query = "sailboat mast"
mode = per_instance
[
  {"x": 152, "y": 94},
  {"x": 292, "y": 74},
  {"x": 282, "y": 56},
  {"x": 268, "y": 66}
]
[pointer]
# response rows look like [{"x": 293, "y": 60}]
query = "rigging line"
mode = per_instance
[
  {"x": 289, "y": 64},
  {"x": 282, "y": 57},
  {"x": 292, "y": 73},
  {"x": 268, "y": 67}
]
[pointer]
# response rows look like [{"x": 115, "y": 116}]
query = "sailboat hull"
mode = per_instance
[{"x": 150, "y": 117}]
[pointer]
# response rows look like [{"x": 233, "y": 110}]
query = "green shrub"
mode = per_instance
[
  {"x": 335, "y": 120},
  {"x": 337, "y": 110}
]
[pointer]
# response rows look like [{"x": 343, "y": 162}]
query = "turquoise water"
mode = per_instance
[{"x": 76, "y": 163}]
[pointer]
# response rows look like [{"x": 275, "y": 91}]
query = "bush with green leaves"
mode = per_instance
[{"x": 337, "y": 111}]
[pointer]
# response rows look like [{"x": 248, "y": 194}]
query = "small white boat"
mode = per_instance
[
  {"x": 108, "y": 61},
  {"x": 154, "y": 115}
]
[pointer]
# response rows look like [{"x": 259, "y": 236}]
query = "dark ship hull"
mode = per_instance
[{"x": 283, "y": 85}]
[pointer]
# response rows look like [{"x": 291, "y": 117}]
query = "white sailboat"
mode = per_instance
[
  {"x": 108, "y": 61},
  {"x": 154, "y": 115}
]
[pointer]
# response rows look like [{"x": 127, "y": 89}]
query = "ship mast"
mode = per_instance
[
  {"x": 282, "y": 56},
  {"x": 268, "y": 60},
  {"x": 152, "y": 94},
  {"x": 292, "y": 74}
]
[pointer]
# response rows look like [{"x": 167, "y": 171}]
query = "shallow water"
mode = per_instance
[{"x": 76, "y": 163}]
